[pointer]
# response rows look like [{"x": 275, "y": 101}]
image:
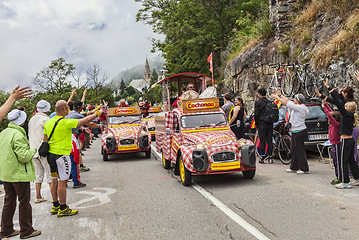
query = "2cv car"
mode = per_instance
[
  {"x": 195, "y": 137},
  {"x": 124, "y": 133},
  {"x": 148, "y": 119}
]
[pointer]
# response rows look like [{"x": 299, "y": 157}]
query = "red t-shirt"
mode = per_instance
[{"x": 124, "y": 105}]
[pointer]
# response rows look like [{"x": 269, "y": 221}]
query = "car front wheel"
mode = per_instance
[
  {"x": 186, "y": 176},
  {"x": 104, "y": 155}
]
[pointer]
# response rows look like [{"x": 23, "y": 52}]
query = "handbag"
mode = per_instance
[{"x": 44, "y": 148}]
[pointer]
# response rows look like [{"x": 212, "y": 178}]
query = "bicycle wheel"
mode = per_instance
[
  {"x": 310, "y": 83},
  {"x": 296, "y": 83},
  {"x": 284, "y": 149},
  {"x": 286, "y": 84},
  {"x": 272, "y": 86}
]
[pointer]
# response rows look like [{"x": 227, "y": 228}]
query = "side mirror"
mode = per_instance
[{"x": 168, "y": 131}]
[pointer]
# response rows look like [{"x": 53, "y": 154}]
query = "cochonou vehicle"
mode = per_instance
[
  {"x": 148, "y": 119},
  {"x": 195, "y": 137},
  {"x": 124, "y": 133}
]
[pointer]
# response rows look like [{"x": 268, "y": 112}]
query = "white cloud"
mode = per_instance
[{"x": 33, "y": 33}]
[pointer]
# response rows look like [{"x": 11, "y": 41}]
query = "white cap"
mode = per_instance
[
  {"x": 17, "y": 116},
  {"x": 43, "y": 106}
]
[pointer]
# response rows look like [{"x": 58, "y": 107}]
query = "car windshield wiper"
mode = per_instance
[
  {"x": 205, "y": 125},
  {"x": 122, "y": 122},
  {"x": 219, "y": 123},
  {"x": 134, "y": 121}
]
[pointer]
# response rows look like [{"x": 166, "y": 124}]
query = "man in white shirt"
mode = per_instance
[{"x": 36, "y": 135}]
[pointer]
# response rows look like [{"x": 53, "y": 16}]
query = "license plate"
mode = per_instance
[
  {"x": 226, "y": 166},
  {"x": 318, "y": 136},
  {"x": 127, "y": 147}
]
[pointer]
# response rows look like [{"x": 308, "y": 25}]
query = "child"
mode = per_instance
[
  {"x": 334, "y": 138},
  {"x": 348, "y": 120}
]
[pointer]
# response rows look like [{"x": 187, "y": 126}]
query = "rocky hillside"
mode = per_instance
[{"x": 323, "y": 33}]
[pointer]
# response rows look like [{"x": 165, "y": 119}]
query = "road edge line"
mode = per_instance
[{"x": 226, "y": 210}]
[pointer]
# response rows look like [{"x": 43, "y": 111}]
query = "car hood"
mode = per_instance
[
  {"x": 125, "y": 132},
  {"x": 151, "y": 121},
  {"x": 211, "y": 138}
]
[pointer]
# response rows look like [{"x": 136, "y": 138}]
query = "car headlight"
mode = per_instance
[
  {"x": 143, "y": 132},
  {"x": 110, "y": 135},
  {"x": 200, "y": 146},
  {"x": 241, "y": 142}
]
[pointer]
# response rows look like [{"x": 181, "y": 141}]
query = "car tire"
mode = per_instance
[
  {"x": 249, "y": 174},
  {"x": 186, "y": 176},
  {"x": 104, "y": 155},
  {"x": 166, "y": 163},
  {"x": 148, "y": 153}
]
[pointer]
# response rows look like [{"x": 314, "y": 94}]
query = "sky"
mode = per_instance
[{"x": 83, "y": 32}]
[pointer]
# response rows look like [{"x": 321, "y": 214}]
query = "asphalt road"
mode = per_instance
[{"x": 131, "y": 197}]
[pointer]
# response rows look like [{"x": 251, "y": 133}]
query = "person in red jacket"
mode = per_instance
[{"x": 123, "y": 103}]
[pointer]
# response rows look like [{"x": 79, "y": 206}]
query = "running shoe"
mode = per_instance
[
  {"x": 67, "y": 212},
  {"x": 54, "y": 210},
  {"x": 261, "y": 160},
  {"x": 84, "y": 169},
  {"x": 270, "y": 160},
  {"x": 344, "y": 186},
  {"x": 291, "y": 170},
  {"x": 302, "y": 172},
  {"x": 79, "y": 185},
  {"x": 336, "y": 181},
  {"x": 355, "y": 182}
]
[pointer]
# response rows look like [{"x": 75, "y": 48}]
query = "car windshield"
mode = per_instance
[
  {"x": 124, "y": 119},
  {"x": 315, "y": 113},
  {"x": 150, "y": 115},
  {"x": 203, "y": 120}
]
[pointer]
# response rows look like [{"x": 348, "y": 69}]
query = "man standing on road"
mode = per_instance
[
  {"x": 227, "y": 106},
  {"x": 265, "y": 129},
  {"x": 36, "y": 136},
  {"x": 59, "y": 155},
  {"x": 75, "y": 114}
]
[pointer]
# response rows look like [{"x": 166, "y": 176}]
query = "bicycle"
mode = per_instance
[
  {"x": 281, "y": 143},
  {"x": 303, "y": 78},
  {"x": 283, "y": 81}
]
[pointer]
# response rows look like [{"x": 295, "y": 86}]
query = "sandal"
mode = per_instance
[{"x": 39, "y": 200}]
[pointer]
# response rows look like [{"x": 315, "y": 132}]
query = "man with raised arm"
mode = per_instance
[{"x": 59, "y": 154}]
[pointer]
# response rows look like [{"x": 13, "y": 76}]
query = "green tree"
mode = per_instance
[
  {"x": 130, "y": 90},
  {"x": 195, "y": 28},
  {"x": 154, "y": 77},
  {"x": 55, "y": 78},
  {"x": 122, "y": 86},
  {"x": 154, "y": 94}
]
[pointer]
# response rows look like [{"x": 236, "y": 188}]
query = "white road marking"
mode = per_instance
[
  {"x": 226, "y": 210},
  {"x": 103, "y": 197}
]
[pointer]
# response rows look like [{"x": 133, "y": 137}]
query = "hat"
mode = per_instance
[
  {"x": 77, "y": 104},
  {"x": 300, "y": 98},
  {"x": 17, "y": 116},
  {"x": 43, "y": 106}
]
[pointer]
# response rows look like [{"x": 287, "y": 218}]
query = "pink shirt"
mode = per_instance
[{"x": 333, "y": 129}]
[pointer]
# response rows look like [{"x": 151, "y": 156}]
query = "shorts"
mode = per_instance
[
  {"x": 60, "y": 166},
  {"x": 42, "y": 169}
]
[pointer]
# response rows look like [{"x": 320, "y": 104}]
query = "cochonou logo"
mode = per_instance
[
  {"x": 200, "y": 105},
  {"x": 124, "y": 110}
]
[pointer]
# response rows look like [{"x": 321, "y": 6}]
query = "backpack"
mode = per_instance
[{"x": 271, "y": 113}]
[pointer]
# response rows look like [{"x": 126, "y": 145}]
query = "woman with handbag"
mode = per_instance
[
  {"x": 298, "y": 130},
  {"x": 237, "y": 120}
]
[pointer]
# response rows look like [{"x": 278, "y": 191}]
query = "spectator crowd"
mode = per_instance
[{"x": 67, "y": 132}]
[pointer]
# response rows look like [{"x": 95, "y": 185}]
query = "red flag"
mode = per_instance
[{"x": 209, "y": 59}]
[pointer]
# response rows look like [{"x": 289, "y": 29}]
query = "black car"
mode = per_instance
[{"x": 316, "y": 122}]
